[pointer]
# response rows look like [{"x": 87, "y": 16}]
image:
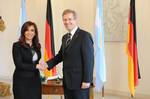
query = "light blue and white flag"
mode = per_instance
[
  {"x": 23, "y": 15},
  {"x": 99, "y": 47}
]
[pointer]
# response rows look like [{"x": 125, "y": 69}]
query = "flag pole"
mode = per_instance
[{"x": 103, "y": 92}]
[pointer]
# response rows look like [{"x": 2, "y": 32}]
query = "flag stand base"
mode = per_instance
[
  {"x": 103, "y": 92},
  {"x": 132, "y": 96}
]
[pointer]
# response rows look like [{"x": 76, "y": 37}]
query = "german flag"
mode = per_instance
[
  {"x": 133, "y": 66},
  {"x": 49, "y": 51}
]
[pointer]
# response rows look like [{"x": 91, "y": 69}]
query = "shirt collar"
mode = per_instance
[{"x": 73, "y": 31}]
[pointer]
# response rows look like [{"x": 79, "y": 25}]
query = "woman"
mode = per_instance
[{"x": 26, "y": 56}]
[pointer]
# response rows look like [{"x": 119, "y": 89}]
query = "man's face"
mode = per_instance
[{"x": 69, "y": 21}]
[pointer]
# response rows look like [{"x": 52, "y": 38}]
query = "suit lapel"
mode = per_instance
[
  {"x": 67, "y": 48},
  {"x": 64, "y": 43}
]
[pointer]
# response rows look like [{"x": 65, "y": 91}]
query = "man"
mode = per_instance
[{"x": 77, "y": 54}]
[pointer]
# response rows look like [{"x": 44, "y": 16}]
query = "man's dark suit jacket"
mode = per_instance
[{"x": 78, "y": 59}]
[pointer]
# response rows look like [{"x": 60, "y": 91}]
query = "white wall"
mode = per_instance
[
  {"x": 143, "y": 30},
  {"x": 9, "y": 10},
  {"x": 116, "y": 58}
]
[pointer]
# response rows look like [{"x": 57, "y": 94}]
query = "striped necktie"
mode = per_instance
[{"x": 68, "y": 39}]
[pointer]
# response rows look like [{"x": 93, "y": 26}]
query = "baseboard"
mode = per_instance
[
  {"x": 5, "y": 78},
  {"x": 126, "y": 94}
]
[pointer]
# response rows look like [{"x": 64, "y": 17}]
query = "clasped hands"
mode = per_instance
[{"x": 42, "y": 66}]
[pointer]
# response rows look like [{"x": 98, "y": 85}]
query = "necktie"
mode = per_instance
[{"x": 68, "y": 39}]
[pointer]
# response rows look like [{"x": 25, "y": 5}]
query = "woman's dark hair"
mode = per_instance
[{"x": 35, "y": 40}]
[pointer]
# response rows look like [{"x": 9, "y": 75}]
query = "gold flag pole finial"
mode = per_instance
[{"x": 2, "y": 24}]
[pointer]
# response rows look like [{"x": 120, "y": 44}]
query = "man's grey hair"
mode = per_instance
[{"x": 67, "y": 11}]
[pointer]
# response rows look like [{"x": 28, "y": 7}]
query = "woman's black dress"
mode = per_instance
[{"x": 26, "y": 78}]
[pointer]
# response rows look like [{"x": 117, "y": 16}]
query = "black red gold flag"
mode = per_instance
[
  {"x": 133, "y": 66},
  {"x": 49, "y": 51}
]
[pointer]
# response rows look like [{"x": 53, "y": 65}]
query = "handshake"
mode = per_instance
[{"x": 42, "y": 66}]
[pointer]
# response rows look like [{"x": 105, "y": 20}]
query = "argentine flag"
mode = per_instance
[
  {"x": 99, "y": 47},
  {"x": 23, "y": 15}
]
